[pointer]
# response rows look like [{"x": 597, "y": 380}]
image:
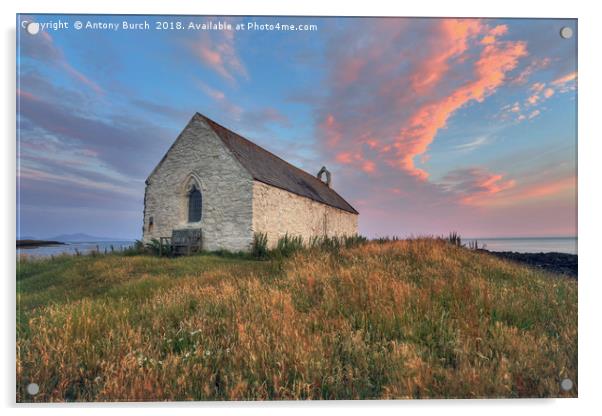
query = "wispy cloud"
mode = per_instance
[
  {"x": 538, "y": 93},
  {"x": 227, "y": 108},
  {"x": 214, "y": 93},
  {"x": 254, "y": 119},
  {"x": 571, "y": 76},
  {"x": 475, "y": 184},
  {"x": 217, "y": 51},
  {"x": 473, "y": 144},
  {"x": 536, "y": 65},
  {"x": 163, "y": 110},
  {"x": 533, "y": 193},
  {"x": 116, "y": 141},
  {"x": 43, "y": 48}
]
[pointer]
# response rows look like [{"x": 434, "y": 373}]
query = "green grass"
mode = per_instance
[{"x": 390, "y": 319}]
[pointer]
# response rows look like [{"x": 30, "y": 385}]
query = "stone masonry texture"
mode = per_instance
[{"x": 277, "y": 212}]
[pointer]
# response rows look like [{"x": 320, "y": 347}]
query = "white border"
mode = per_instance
[{"x": 590, "y": 151}]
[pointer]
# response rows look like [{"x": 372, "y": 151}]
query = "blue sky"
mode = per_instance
[{"x": 429, "y": 125}]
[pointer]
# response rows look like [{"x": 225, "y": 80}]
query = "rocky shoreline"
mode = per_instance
[{"x": 562, "y": 263}]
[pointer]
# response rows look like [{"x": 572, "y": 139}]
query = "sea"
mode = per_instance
[
  {"x": 527, "y": 245},
  {"x": 520, "y": 245},
  {"x": 76, "y": 247}
]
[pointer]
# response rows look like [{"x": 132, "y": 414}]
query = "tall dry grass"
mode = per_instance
[{"x": 404, "y": 319}]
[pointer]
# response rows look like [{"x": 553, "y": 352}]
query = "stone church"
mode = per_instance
[{"x": 220, "y": 187}]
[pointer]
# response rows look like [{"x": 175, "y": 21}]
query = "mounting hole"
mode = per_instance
[
  {"x": 566, "y": 32},
  {"x": 566, "y": 384},
  {"x": 33, "y": 28},
  {"x": 33, "y": 389}
]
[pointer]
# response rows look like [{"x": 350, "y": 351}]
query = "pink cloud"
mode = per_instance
[
  {"x": 566, "y": 83},
  {"x": 218, "y": 52},
  {"x": 531, "y": 193},
  {"x": 368, "y": 166},
  {"x": 538, "y": 87},
  {"x": 81, "y": 77},
  {"x": 539, "y": 93},
  {"x": 352, "y": 70},
  {"x": 372, "y": 143},
  {"x": 487, "y": 40},
  {"x": 473, "y": 185},
  {"x": 499, "y": 30},
  {"x": 548, "y": 92},
  {"x": 534, "y": 66},
  {"x": 26, "y": 94},
  {"x": 571, "y": 76},
  {"x": 549, "y": 188},
  {"x": 532, "y": 100},
  {"x": 490, "y": 69},
  {"x": 214, "y": 93},
  {"x": 454, "y": 36},
  {"x": 331, "y": 130},
  {"x": 344, "y": 157},
  {"x": 221, "y": 100},
  {"x": 258, "y": 118},
  {"x": 492, "y": 35},
  {"x": 254, "y": 119}
]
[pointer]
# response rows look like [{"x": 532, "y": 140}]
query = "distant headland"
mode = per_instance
[{"x": 37, "y": 243}]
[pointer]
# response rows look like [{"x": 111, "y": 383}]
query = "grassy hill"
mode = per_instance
[{"x": 407, "y": 319}]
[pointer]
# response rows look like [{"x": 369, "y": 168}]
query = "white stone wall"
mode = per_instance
[
  {"x": 277, "y": 212},
  {"x": 199, "y": 156}
]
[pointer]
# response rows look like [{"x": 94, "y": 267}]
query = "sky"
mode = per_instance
[{"x": 428, "y": 125}]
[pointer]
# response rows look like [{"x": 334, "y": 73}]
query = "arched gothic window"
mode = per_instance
[{"x": 195, "y": 205}]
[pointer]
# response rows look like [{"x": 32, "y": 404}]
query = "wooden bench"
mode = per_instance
[{"x": 186, "y": 241}]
